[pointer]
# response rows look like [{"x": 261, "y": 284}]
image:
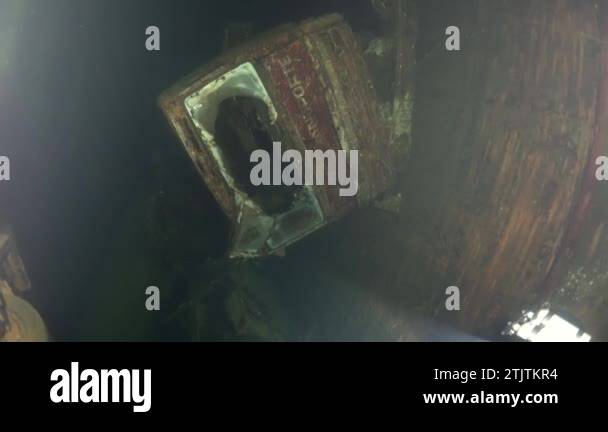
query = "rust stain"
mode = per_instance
[
  {"x": 317, "y": 83},
  {"x": 506, "y": 210}
]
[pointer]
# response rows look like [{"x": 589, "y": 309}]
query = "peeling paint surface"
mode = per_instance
[{"x": 314, "y": 83}]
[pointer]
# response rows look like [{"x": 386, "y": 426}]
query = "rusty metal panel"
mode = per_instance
[
  {"x": 12, "y": 269},
  {"x": 300, "y": 93},
  {"x": 494, "y": 181},
  {"x": 310, "y": 84},
  {"x": 19, "y": 320},
  {"x": 359, "y": 125}
]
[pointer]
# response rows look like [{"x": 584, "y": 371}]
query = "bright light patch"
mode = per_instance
[{"x": 546, "y": 326}]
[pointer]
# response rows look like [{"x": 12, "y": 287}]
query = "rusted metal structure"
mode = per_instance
[
  {"x": 304, "y": 85},
  {"x": 12, "y": 269},
  {"x": 500, "y": 198},
  {"x": 503, "y": 136},
  {"x": 19, "y": 320},
  {"x": 579, "y": 279}
]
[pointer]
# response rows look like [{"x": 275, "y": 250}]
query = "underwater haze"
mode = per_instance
[{"x": 105, "y": 202}]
